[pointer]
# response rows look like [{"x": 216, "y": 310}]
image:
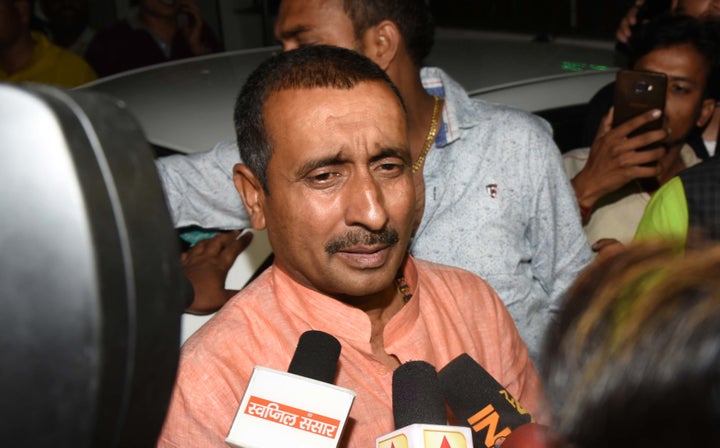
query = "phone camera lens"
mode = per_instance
[{"x": 642, "y": 87}]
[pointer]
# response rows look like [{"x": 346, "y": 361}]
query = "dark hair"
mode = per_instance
[
  {"x": 634, "y": 358},
  {"x": 673, "y": 30},
  {"x": 310, "y": 67},
  {"x": 412, "y": 18}
]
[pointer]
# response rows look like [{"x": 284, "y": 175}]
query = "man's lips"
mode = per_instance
[
  {"x": 365, "y": 249},
  {"x": 366, "y": 257}
]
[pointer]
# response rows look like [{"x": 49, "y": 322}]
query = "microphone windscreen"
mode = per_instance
[
  {"x": 316, "y": 356},
  {"x": 470, "y": 389},
  {"x": 417, "y": 396}
]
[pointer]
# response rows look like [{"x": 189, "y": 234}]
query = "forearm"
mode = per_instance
[{"x": 200, "y": 191}]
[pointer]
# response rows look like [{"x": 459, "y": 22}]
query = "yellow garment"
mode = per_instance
[
  {"x": 51, "y": 64},
  {"x": 616, "y": 215}
]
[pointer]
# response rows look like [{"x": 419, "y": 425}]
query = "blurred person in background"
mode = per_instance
[
  {"x": 66, "y": 23},
  {"x": 634, "y": 360},
  {"x": 688, "y": 203},
  {"x": 703, "y": 141},
  {"x": 614, "y": 179},
  {"x": 28, "y": 56},
  {"x": 700, "y": 9},
  {"x": 157, "y": 31}
]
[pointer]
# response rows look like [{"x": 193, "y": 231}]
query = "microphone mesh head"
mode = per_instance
[
  {"x": 316, "y": 356},
  {"x": 469, "y": 388},
  {"x": 417, "y": 396}
]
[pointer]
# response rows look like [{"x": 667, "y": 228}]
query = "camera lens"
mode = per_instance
[{"x": 642, "y": 87}]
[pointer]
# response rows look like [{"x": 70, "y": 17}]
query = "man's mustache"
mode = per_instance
[{"x": 362, "y": 238}]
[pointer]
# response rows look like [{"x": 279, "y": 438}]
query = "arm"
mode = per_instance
[
  {"x": 199, "y": 188},
  {"x": 624, "y": 30},
  {"x": 614, "y": 160},
  {"x": 206, "y": 266},
  {"x": 559, "y": 246}
]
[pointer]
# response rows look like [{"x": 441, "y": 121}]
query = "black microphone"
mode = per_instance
[
  {"x": 302, "y": 407},
  {"x": 419, "y": 411},
  {"x": 417, "y": 396},
  {"x": 316, "y": 356},
  {"x": 479, "y": 401}
]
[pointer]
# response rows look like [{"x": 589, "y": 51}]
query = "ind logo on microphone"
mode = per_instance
[
  {"x": 432, "y": 438},
  {"x": 292, "y": 417},
  {"x": 490, "y": 419}
]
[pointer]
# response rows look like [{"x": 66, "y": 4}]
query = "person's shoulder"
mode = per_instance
[
  {"x": 239, "y": 314},
  {"x": 575, "y": 160},
  {"x": 70, "y": 60},
  {"x": 62, "y": 66},
  {"x": 469, "y": 109},
  {"x": 452, "y": 288},
  {"x": 449, "y": 276},
  {"x": 509, "y": 116},
  {"x": 710, "y": 167}
]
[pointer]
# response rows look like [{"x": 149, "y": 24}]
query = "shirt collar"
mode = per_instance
[
  {"x": 325, "y": 313},
  {"x": 458, "y": 105}
]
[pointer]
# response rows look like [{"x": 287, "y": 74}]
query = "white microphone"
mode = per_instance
[
  {"x": 419, "y": 412},
  {"x": 299, "y": 408}
]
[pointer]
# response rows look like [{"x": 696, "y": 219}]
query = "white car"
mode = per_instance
[{"x": 187, "y": 106}]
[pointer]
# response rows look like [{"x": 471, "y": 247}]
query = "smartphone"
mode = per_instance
[{"x": 637, "y": 92}]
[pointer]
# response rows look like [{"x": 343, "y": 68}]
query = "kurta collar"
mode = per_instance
[{"x": 327, "y": 314}]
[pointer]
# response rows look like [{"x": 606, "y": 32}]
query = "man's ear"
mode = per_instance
[
  {"x": 706, "y": 112},
  {"x": 381, "y": 43},
  {"x": 251, "y": 193}
]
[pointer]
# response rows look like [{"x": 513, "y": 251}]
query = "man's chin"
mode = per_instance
[{"x": 357, "y": 289}]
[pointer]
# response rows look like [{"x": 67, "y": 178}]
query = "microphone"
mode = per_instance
[
  {"x": 299, "y": 408},
  {"x": 419, "y": 411},
  {"x": 479, "y": 401},
  {"x": 416, "y": 394},
  {"x": 316, "y": 356}
]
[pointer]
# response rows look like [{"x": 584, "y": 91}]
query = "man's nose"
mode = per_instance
[{"x": 366, "y": 204}]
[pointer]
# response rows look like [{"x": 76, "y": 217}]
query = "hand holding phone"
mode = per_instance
[
  {"x": 637, "y": 92},
  {"x": 628, "y": 142}
]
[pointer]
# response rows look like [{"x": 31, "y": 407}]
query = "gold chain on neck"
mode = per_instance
[
  {"x": 434, "y": 126},
  {"x": 402, "y": 288}
]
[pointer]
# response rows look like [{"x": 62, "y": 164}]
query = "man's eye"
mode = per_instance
[
  {"x": 323, "y": 179},
  {"x": 305, "y": 43},
  {"x": 680, "y": 88},
  {"x": 391, "y": 168}
]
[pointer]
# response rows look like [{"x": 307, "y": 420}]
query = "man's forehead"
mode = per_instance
[
  {"x": 691, "y": 67},
  {"x": 328, "y": 103},
  {"x": 686, "y": 50},
  {"x": 704, "y": 8},
  {"x": 304, "y": 13},
  {"x": 305, "y": 94}
]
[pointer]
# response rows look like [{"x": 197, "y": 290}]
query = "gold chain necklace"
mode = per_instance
[
  {"x": 434, "y": 126},
  {"x": 403, "y": 288}
]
